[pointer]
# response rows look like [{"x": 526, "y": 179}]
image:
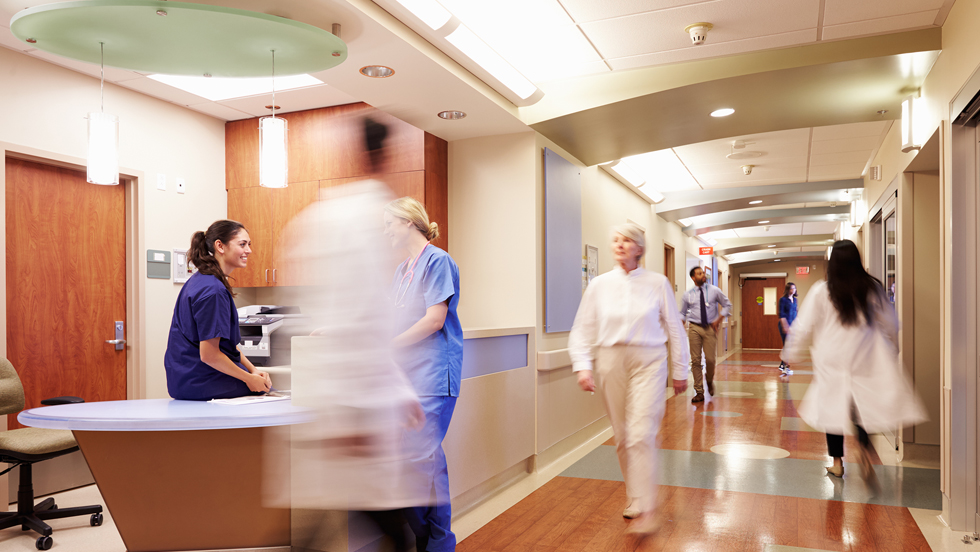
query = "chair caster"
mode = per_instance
[
  {"x": 44, "y": 543},
  {"x": 96, "y": 520}
]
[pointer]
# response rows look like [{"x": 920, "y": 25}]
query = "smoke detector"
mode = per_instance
[
  {"x": 747, "y": 169},
  {"x": 698, "y": 32}
]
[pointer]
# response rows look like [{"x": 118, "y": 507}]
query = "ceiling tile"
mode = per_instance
[
  {"x": 219, "y": 111},
  {"x": 291, "y": 100},
  {"x": 794, "y": 229},
  {"x": 840, "y": 158},
  {"x": 714, "y": 50},
  {"x": 859, "y": 143},
  {"x": 156, "y": 89},
  {"x": 814, "y": 228},
  {"x": 852, "y": 130},
  {"x": 775, "y": 145},
  {"x": 836, "y": 172},
  {"x": 664, "y": 30},
  {"x": 880, "y": 25},
  {"x": 720, "y": 235},
  {"x": 837, "y": 12},
  {"x": 589, "y": 10}
]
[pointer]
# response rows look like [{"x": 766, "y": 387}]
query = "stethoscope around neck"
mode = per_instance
[{"x": 409, "y": 275}]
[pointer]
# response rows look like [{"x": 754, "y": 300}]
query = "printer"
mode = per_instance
[{"x": 256, "y": 324}]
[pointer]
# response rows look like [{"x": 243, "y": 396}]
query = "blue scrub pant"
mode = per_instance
[{"x": 431, "y": 523}]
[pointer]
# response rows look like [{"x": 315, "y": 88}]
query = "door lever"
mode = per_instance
[{"x": 119, "y": 341}]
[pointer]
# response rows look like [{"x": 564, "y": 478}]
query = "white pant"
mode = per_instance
[{"x": 631, "y": 383}]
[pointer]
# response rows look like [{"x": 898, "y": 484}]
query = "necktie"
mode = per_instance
[{"x": 704, "y": 310}]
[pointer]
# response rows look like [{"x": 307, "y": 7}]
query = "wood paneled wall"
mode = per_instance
[{"x": 326, "y": 148}]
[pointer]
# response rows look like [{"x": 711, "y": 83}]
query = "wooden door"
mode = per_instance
[
  {"x": 253, "y": 208},
  {"x": 286, "y": 204},
  {"x": 760, "y": 330},
  {"x": 66, "y": 283}
]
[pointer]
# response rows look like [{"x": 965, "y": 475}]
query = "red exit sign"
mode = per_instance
[
  {"x": 706, "y": 251},
  {"x": 802, "y": 270}
]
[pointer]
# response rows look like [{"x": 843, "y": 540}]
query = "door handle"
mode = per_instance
[{"x": 119, "y": 341}]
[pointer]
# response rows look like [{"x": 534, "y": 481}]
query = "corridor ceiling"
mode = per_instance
[{"x": 815, "y": 84}]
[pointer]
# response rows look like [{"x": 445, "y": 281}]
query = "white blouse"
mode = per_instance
[{"x": 636, "y": 308}]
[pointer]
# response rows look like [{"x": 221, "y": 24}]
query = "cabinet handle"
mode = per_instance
[
  {"x": 273, "y": 275},
  {"x": 267, "y": 275}
]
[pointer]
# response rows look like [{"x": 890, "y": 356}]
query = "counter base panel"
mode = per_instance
[{"x": 185, "y": 490}]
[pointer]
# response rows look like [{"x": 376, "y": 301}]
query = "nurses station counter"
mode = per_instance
[{"x": 179, "y": 475}]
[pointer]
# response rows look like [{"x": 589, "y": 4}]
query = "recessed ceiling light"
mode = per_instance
[
  {"x": 763, "y": 222},
  {"x": 377, "y": 71},
  {"x": 756, "y": 202},
  {"x": 776, "y": 260},
  {"x": 723, "y": 112},
  {"x": 771, "y": 246},
  {"x": 452, "y": 115}
]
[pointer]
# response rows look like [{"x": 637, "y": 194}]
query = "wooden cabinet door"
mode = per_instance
[
  {"x": 66, "y": 283},
  {"x": 286, "y": 204},
  {"x": 253, "y": 208}
]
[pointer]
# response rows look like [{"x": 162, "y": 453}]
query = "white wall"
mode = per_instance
[{"x": 45, "y": 109}]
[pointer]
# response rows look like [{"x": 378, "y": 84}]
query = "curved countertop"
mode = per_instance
[{"x": 162, "y": 415}]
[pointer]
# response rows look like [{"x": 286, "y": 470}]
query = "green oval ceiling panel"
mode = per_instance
[{"x": 191, "y": 39}]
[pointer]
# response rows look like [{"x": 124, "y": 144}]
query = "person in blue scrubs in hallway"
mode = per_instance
[
  {"x": 203, "y": 361},
  {"x": 429, "y": 348}
]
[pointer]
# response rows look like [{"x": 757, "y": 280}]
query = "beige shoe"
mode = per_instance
[
  {"x": 630, "y": 512},
  {"x": 836, "y": 470}
]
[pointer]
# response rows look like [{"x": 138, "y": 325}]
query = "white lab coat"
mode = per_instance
[{"x": 851, "y": 365}]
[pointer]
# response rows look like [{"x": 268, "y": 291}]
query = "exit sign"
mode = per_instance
[
  {"x": 707, "y": 251},
  {"x": 802, "y": 270}
]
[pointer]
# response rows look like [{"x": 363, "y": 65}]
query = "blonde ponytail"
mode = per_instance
[{"x": 411, "y": 210}]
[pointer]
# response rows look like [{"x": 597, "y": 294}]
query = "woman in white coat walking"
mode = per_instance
[
  {"x": 627, "y": 319},
  {"x": 851, "y": 331}
]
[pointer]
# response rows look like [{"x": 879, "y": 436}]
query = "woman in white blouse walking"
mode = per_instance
[{"x": 627, "y": 319}]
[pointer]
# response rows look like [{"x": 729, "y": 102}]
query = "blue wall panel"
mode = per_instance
[
  {"x": 489, "y": 355},
  {"x": 562, "y": 242}
]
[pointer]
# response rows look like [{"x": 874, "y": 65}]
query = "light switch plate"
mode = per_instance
[
  {"x": 180, "y": 185},
  {"x": 162, "y": 182}
]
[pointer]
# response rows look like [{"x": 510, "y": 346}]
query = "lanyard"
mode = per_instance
[{"x": 410, "y": 275}]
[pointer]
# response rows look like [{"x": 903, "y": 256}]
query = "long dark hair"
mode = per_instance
[
  {"x": 201, "y": 253},
  {"x": 787, "y": 288},
  {"x": 851, "y": 287}
]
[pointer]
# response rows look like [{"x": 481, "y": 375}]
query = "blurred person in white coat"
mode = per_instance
[
  {"x": 356, "y": 453},
  {"x": 851, "y": 331},
  {"x": 627, "y": 319}
]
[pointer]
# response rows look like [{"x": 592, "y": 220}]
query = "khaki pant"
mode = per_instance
[
  {"x": 702, "y": 338},
  {"x": 630, "y": 382}
]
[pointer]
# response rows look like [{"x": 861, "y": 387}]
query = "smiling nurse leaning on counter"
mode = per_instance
[{"x": 203, "y": 361}]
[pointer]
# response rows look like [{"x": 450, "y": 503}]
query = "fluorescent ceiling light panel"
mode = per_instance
[
  {"x": 723, "y": 112},
  {"x": 485, "y": 57},
  {"x": 429, "y": 11},
  {"x": 629, "y": 173},
  {"x": 663, "y": 170},
  {"x": 217, "y": 89},
  {"x": 656, "y": 196},
  {"x": 542, "y": 42},
  {"x": 756, "y": 202}
]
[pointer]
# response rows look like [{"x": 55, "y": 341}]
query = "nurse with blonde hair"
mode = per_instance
[
  {"x": 429, "y": 349},
  {"x": 619, "y": 343}
]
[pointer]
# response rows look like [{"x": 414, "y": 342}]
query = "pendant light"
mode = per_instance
[
  {"x": 273, "y": 158},
  {"x": 103, "y": 139}
]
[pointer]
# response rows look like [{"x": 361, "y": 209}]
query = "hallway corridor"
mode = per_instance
[{"x": 740, "y": 472}]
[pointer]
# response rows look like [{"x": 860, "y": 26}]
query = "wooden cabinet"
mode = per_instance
[
  {"x": 266, "y": 212},
  {"x": 326, "y": 149}
]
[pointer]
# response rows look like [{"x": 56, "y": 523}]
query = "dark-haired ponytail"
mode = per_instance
[{"x": 201, "y": 253}]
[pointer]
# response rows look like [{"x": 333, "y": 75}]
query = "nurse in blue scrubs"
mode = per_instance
[
  {"x": 203, "y": 361},
  {"x": 429, "y": 349}
]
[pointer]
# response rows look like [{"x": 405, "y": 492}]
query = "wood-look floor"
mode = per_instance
[{"x": 575, "y": 514}]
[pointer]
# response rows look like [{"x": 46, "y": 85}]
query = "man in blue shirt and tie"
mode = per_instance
[{"x": 700, "y": 309}]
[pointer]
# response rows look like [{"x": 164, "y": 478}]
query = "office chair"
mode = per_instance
[{"x": 24, "y": 447}]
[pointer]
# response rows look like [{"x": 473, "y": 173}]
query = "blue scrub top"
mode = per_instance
[
  {"x": 787, "y": 309},
  {"x": 435, "y": 364},
  {"x": 204, "y": 310}
]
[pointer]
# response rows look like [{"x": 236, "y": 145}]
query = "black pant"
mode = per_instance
[{"x": 835, "y": 443}]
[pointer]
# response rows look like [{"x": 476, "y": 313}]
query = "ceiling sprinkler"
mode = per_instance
[{"x": 698, "y": 32}]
